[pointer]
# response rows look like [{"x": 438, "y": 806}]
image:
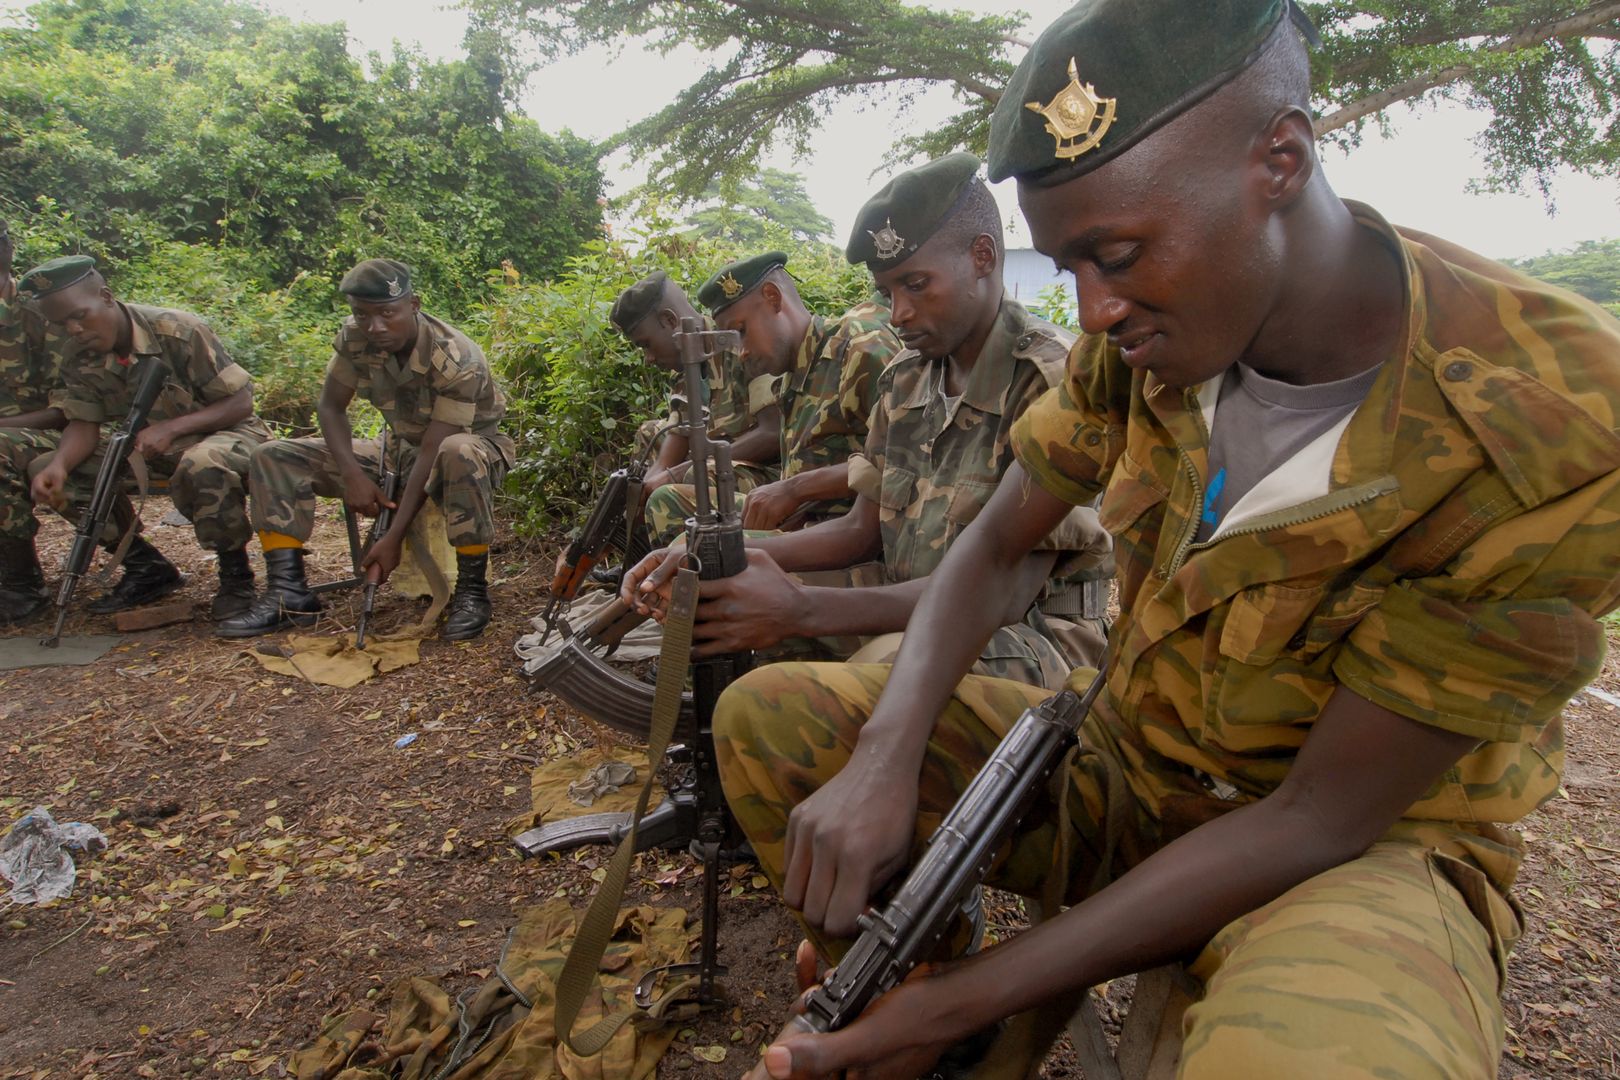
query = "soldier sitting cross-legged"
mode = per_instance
[{"x": 443, "y": 408}]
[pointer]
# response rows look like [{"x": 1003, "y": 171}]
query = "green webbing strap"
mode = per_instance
[{"x": 590, "y": 941}]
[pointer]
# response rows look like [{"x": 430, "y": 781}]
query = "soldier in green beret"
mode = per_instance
[
  {"x": 649, "y": 314},
  {"x": 939, "y": 440},
  {"x": 820, "y": 373},
  {"x": 29, "y": 429},
  {"x": 443, "y": 409},
  {"x": 1364, "y": 486},
  {"x": 199, "y": 434}
]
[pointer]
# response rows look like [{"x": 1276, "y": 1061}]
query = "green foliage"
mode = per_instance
[
  {"x": 1591, "y": 269},
  {"x": 576, "y": 388},
  {"x": 1544, "y": 70},
  {"x": 131, "y": 124},
  {"x": 743, "y": 208},
  {"x": 1055, "y": 305}
]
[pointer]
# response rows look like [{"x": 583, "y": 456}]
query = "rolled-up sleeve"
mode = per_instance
[{"x": 455, "y": 398}]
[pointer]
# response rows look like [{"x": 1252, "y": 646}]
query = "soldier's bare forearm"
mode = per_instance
[
  {"x": 672, "y": 452},
  {"x": 1359, "y": 770},
  {"x": 815, "y": 485},
  {"x": 332, "y": 410},
  {"x": 41, "y": 419},
  {"x": 828, "y": 545},
  {"x": 414, "y": 493},
  {"x": 79, "y": 440},
  {"x": 762, "y": 443},
  {"x": 884, "y": 609},
  {"x": 222, "y": 414},
  {"x": 952, "y": 623}
]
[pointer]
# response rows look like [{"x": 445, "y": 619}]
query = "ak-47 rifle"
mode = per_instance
[
  {"x": 91, "y": 523},
  {"x": 895, "y": 940},
  {"x": 616, "y": 515},
  {"x": 385, "y": 518},
  {"x": 695, "y": 814}
]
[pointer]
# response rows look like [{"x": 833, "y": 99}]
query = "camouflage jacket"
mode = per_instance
[
  {"x": 827, "y": 396},
  {"x": 1446, "y": 557},
  {"x": 445, "y": 378},
  {"x": 99, "y": 387},
  {"x": 725, "y": 385},
  {"x": 931, "y": 468},
  {"x": 29, "y": 353}
]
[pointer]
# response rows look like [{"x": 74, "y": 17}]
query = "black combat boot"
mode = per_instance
[
  {"x": 235, "y": 593},
  {"x": 287, "y": 599},
  {"x": 22, "y": 583},
  {"x": 468, "y": 612},
  {"x": 148, "y": 577}
]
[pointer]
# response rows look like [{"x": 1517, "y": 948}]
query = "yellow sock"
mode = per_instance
[
  {"x": 272, "y": 541},
  {"x": 473, "y": 549}
]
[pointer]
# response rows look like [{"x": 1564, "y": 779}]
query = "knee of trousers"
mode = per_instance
[
  {"x": 270, "y": 461},
  {"x": 460, "y": 460}
]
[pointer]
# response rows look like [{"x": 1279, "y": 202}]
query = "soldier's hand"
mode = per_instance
[
  {"x": 768, "y": 505},
  {"x": 900, "y": 1036},
  {"x": 363, "y": 495},
  {"x": 646, "y": 586},
  {"x": 154, "y": 440},
  {"x": 50, "y": 487},
  {"x": 382, "y": 559},
  {"x": 845, "y": 841},
  {"x": 751, "y": 610}
]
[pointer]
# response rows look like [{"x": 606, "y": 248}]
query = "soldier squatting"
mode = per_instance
[{"x": 1359, "y": 490}]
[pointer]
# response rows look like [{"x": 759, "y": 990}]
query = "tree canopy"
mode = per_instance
[
  {"x": 1543, "y": 70},
  {"x": 740, "y": 210},
  {"x": 1591, "y": 269},
  {"x": 127, "y": 124}
]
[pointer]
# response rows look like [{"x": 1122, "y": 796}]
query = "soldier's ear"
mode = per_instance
[
  {"x": 772, "y": 294},
  {"x": 416, "y": 303},
  {"x": 668, "y": 320},
  {"x": 983, "y": 253},
  {"x": 1284, "y": 158}
]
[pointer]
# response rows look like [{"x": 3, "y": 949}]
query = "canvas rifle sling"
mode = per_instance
[{"x": 591, "y": 940}]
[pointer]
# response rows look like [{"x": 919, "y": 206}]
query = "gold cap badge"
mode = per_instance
[
  {"x": 394, "y": 288},
  {"x": 1077, "y": 118},
  {"x": 731, "y": 286},
  {"x": 888, "y": 243}
]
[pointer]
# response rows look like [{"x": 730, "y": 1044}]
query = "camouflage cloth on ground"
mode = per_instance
[
  {"x": 511, "y": 1035},
  {"x": 207, "y": 470},
  {"x": 930, "y": 465},
  {"x": 288, "y": 474},
  {"x": 1449, "y": 565}
]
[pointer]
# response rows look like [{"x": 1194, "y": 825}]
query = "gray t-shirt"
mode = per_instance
[{"x": 1261, "y": 423}]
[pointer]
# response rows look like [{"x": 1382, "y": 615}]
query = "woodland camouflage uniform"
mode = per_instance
[
  {"x": 930, "y": 468},
  {"x": 29, "y": 354},
  {"x": 825, "y": 398},
  {"x": 445, "y": 378},
  {"x": 207, "y": 473},
  {"x": 1453, "y": 571}
]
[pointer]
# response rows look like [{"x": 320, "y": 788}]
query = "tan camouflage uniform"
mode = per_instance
[
  {"x": 446, "y": 378},
  {"x": 1453, "y": 573},
  {"x": 29, "y": 353},
  {"x": 207, "y": 473},
  {"x": 825, "y": 398},
  {"x": 930, "y": 468}
]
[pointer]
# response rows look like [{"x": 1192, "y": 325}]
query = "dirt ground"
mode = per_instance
[{"x": 275, "y": 859}]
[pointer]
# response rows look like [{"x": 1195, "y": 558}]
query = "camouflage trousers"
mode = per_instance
[
  {"x": 669, "y": 506},
  {"x": 1388, "y": 965},
  {"x": 19, "y": 449},
  {"x": 207, "y": 482},
  {"x": 288, "y": 474}
]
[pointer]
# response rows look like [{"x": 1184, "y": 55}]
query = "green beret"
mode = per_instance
[
  {"x": 1109, "y": 73},
  {"x": 54, "y": 276},
  {"x": 638, "y": 301},
  {"x": 736, "y": 280},
  {"x": 377, "y": 280},
  {"x": 898, "y": 220}
]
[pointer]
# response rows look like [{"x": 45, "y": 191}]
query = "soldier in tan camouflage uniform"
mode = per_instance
[
  {"x": 29, "y": 429},
  {"x": 821, "y": 374},
  {"x": 199, "y": 434},
  {"x": 1332, "y": 694},
  {"x": 939, "y": 440},
  {"x": 443, "y": 407}
]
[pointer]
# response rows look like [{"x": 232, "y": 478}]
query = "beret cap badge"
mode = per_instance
[
  {"x": 887, "y": 242},
  {"x": 1077, "y": 118},
  {"x": 731, "y": 286},
  {"x": 394, "y": 287}
]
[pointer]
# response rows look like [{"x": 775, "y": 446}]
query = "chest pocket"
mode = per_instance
[
  {"x": 967, "y": 499},
  {"x": 1132, "y": 511},
  {"x": 1265, "y": 622}
]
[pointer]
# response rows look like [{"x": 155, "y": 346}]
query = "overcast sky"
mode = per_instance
[{"x": 1418, "y": 178}]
